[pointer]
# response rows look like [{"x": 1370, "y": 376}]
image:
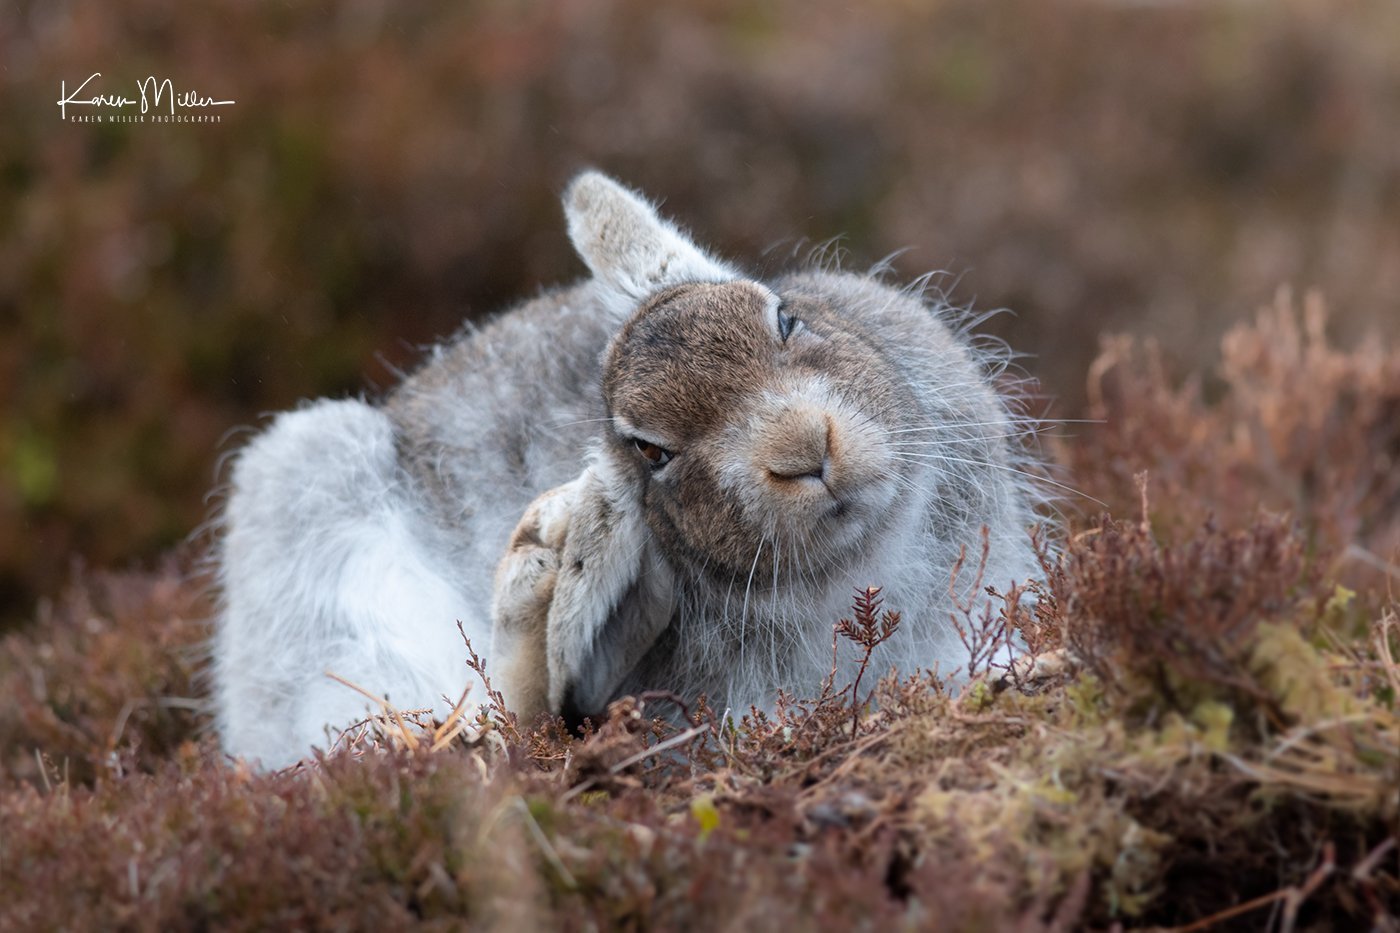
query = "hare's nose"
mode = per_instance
[{"x": 800, "y": 448}]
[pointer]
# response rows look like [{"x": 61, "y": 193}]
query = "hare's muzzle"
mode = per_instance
[{"x": 798, "y": 446}]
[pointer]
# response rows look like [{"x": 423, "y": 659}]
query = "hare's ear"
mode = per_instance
[{"x": 627, "y": 245}]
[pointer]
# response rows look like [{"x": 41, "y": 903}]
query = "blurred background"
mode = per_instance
[{"x": 389, "y": 170}]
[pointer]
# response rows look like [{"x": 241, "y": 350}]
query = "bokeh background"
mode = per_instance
[{"x": 391, "y": 169}]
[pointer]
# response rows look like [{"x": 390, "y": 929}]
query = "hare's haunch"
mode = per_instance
[{"x": 669, "y": 476}]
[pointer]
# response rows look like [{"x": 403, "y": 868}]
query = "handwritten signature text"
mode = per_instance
[{"x": 151, "y": 94}]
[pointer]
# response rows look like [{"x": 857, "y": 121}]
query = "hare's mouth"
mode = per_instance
[{"x": 842, "y": 523}]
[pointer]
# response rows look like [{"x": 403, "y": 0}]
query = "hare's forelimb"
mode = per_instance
[
  {"x": 581, "y": 596},
  {"x": 523, "y": 592}
]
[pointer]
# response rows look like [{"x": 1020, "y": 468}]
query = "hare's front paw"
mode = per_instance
[
  {"x": 524, "y": 591},
  {"x": 581, "y": 595}
]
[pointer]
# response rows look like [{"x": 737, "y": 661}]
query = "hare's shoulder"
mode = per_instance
[
  {"x": 553, "y": 338},
  {"x": 505, "y": 409}
]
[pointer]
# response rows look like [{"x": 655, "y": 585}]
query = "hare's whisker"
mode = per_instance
[
  {"x": 1009, "y": 469},
  {"x": 970, "y": 439}
]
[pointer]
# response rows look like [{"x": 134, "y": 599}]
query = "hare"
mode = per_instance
[{"x": 668, "y": 476}]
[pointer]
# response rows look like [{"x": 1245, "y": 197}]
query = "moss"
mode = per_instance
[
  {"x": 1296, "y": 673},
  {"x": 1215, "y": 718}
]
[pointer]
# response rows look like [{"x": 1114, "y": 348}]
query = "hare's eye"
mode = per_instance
[
  {"x": 656, "y": 456},
  {"x": 786, "y": 324}
]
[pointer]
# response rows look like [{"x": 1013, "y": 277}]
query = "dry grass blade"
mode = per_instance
[
  {"x": 403, "y": 733},
  {"x": 546, "y": 847}
]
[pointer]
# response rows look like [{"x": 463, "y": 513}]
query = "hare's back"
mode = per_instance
[{"x": 501, "y": 413}]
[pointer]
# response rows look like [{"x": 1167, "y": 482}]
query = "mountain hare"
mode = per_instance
[{"x": 669, "y": 476}]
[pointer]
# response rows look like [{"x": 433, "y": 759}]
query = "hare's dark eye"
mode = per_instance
[
  {"x": 786, "y": 324},
  {"x": 656, "y": 456}
]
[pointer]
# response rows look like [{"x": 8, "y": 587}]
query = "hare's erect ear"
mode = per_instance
[{"x": 627, "y": 245}]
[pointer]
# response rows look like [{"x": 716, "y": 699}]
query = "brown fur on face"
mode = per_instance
[{"x": 773, "y": 440}]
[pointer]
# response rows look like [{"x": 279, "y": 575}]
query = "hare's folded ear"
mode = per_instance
[{"x": 627, "y": 245}]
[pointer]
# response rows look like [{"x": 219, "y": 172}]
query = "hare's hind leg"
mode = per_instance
[{"x": 322, "y": 570}]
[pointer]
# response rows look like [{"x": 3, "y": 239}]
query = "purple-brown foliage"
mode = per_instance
[
  {"x": 1207, "y": 733},
  {"x": 1288, "y": 422},
  {"x": 106, "y": 680},
  {"x": 1184, "y": 613}
]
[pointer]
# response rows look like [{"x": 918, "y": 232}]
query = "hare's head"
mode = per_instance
[{"x": 775, "y": 428}]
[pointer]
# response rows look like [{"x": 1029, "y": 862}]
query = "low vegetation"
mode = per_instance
[{"x": 1202, "y": 730}]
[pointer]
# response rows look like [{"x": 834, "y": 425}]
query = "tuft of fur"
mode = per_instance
[{"x": 826, "y": 432}]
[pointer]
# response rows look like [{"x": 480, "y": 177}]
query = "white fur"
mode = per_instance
[{"x": 323, "y": 570}]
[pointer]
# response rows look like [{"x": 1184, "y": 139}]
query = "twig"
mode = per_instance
[
  {"x": 1293, "y": 896},
  {"x": 856, "y": 750},
  {"x": 870, "y": 629},
  {"x": 1361, "y": 874},
  {"x": 670, "y": 697},
  {"x": 43, "y": 771},
  {"x": 1296, "y": 896},
  {"x": 1230, "y": 912},
  {"x": 546, "y": 847},
  {"x": 505, "y": 719},
  {"x": 1363, "y": 869},
  {"x": 120, "y": 726},
  {"x": 644, "y": 754},
  {"x": 455, "y": 723}
]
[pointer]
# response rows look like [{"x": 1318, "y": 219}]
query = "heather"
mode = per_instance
[{"x": 1201, "y": 730}]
